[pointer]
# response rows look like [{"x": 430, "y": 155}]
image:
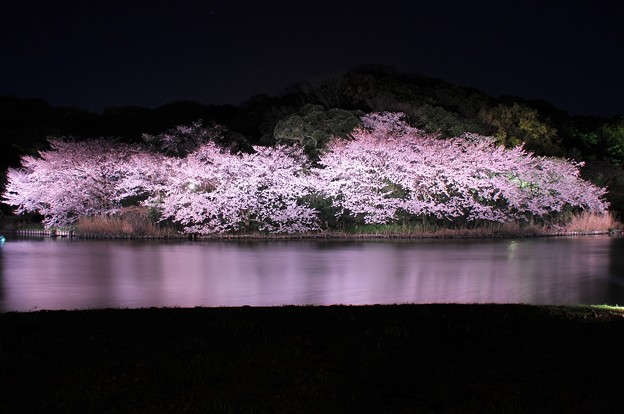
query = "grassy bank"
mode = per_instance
[
  {"x": 136, "y": 224},
  {"x": 396, "y": 359}
]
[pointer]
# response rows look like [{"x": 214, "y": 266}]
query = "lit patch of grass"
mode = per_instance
[
  {"x": 610, "y": 308},
  {"x": 586, "y": 313}
]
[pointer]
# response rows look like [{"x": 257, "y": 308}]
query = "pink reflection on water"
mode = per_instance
[{"x": 49, "y": 274}]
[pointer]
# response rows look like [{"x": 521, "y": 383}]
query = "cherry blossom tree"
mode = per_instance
[
  {"x": 144, "y": 176},
  {"x": 391, "y": 168},
  {"x": 213, "y": 192},
  {"x": 388, "y": 172},
  {"x": 71, "y": 180}
]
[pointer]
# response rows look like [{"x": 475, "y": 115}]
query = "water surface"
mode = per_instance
[{"x": 67, "y": 274}]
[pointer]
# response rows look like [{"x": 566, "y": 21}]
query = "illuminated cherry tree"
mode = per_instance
[
  {"x": 144, "y": 175},
  {"x": 391, "y": 168},
  {"x": 71, "y": 180},
  {"x": 388, "y": 172},
  {"x": 214, "y": 191}
]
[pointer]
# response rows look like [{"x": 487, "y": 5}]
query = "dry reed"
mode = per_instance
[
  {"x": 131, "y": 222},
  {"x": 587, "y": 222}
]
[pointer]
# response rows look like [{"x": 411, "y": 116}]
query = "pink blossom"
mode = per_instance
[{"x": 387, "y": 172}]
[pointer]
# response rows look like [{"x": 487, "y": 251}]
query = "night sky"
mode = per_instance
[{"x": 112, "y": 53}]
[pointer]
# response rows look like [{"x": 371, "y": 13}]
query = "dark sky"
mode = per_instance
[{"x": 116, "y": 53}]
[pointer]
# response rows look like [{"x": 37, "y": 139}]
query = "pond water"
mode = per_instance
[{"x": 66, "y": 274}]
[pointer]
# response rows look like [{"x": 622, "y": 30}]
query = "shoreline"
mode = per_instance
[
  {"x": 441, "y": 234},
  {"x": 583, "y": 224}
]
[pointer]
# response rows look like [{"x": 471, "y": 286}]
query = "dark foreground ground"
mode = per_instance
[{"x": 373, "y": 359}]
